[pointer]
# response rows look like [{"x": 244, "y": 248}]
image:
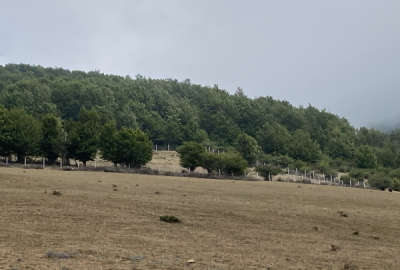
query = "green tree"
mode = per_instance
[
  {"x": 210, "y": 161},
  {"x": 248, "y": 148},
  {"x": 108, "y": 142},
  {"x": 381, "y": 181},
  {"x": 24, "y": 134},
  {"x": 303, "y": 147},
  {"x": 232, "y": 163},
  {"x": 365, "y": 157},
  {"x": 268, "y": 170},
  {"x": 6, "y": 134},
  {"x": 274, "y": 138},
  {"x": 191, "y": 155},
  {"x": 132, "y": 148},
  {"x": 82, "y": 139},
  {"x": 52, "y": 140},
  {"x": 387, "y": 156}
]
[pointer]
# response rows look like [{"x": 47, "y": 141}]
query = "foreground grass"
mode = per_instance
[{"x": 112, "y": 221}]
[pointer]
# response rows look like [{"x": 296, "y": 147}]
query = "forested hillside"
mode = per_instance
[{"x": 173, "y": 112}]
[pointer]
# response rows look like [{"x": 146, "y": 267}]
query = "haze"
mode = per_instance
[{"x": 340, "y": 55}]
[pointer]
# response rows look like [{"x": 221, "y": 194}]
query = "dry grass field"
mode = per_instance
[{"x": 111, "y": 221}]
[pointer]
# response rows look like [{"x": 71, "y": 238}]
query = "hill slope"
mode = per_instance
[
  {"x": 173, "y": 112},
  {"x": 225, "y": 224},
  {"x": 170, "y": 111}
]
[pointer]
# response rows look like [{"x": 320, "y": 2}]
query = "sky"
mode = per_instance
[{"x": 338, "y": 55}]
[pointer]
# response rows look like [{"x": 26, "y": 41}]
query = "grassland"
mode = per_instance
[{"x": 111, "y": 221}]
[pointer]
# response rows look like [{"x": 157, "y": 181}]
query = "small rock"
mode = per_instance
[
  {"x": 157, "y": 193},
  {"x": 115, "y": 189},
  {"x": 316, "y": 228},
  {"x": 356, "y": 233},
  {"x": 343, "y": 214},
  {"x": 190, "y": 261},
  {"x": 136, "y": 258},
  {"x": 114, "y": 186},
  {"x": 376, "y": 237}
]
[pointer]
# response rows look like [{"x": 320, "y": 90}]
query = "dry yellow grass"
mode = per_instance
[{"x": 226, "y": 224}]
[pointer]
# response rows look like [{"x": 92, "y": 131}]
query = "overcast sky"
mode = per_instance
[{"x": 341, "y": 55}]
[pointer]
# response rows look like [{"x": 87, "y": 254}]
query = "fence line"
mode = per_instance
[{"x": 292, "y": 175}]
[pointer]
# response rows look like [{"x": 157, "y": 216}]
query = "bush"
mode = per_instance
[
  {"x": 170, "y": 219},
  {"x": 232, "y": 163},
  {"x": 381, "y": 181}
]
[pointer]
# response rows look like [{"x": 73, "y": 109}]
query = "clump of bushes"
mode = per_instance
[{"x": 170, "y": 219}]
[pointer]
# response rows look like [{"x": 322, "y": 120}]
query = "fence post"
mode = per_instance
[
  {"x": 6, "y": 161},
  {"x": 43, "y": 162},
  {"x": 156, "y": 148},
  {"x": 61, "y": 162},
  {"x": 25, "y": 162},
  {"x": 168, "y": 147}
]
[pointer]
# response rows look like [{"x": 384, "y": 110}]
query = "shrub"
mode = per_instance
[
  {"x": 170, "y": 219},
  {"x": 381, "y": 181},
  {"x": 232, "y": 163}
]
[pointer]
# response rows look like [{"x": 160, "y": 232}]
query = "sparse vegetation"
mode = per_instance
[{"x": 272, "y": 223}]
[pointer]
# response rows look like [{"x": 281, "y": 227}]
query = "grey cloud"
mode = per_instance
[{"x": 340, "y": 55}]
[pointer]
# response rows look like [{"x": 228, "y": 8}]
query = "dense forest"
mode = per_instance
[{"x": 263, "y": 130}]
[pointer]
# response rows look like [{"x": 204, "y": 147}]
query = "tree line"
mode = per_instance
[
  {"x": 50, "y": 137},
  {"x": 260, "y": 130}
]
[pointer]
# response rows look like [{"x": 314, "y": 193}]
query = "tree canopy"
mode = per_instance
[{"x": 43, "y": 106}]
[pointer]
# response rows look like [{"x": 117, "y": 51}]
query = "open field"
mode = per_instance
[{"x": 225, "y": 224}]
